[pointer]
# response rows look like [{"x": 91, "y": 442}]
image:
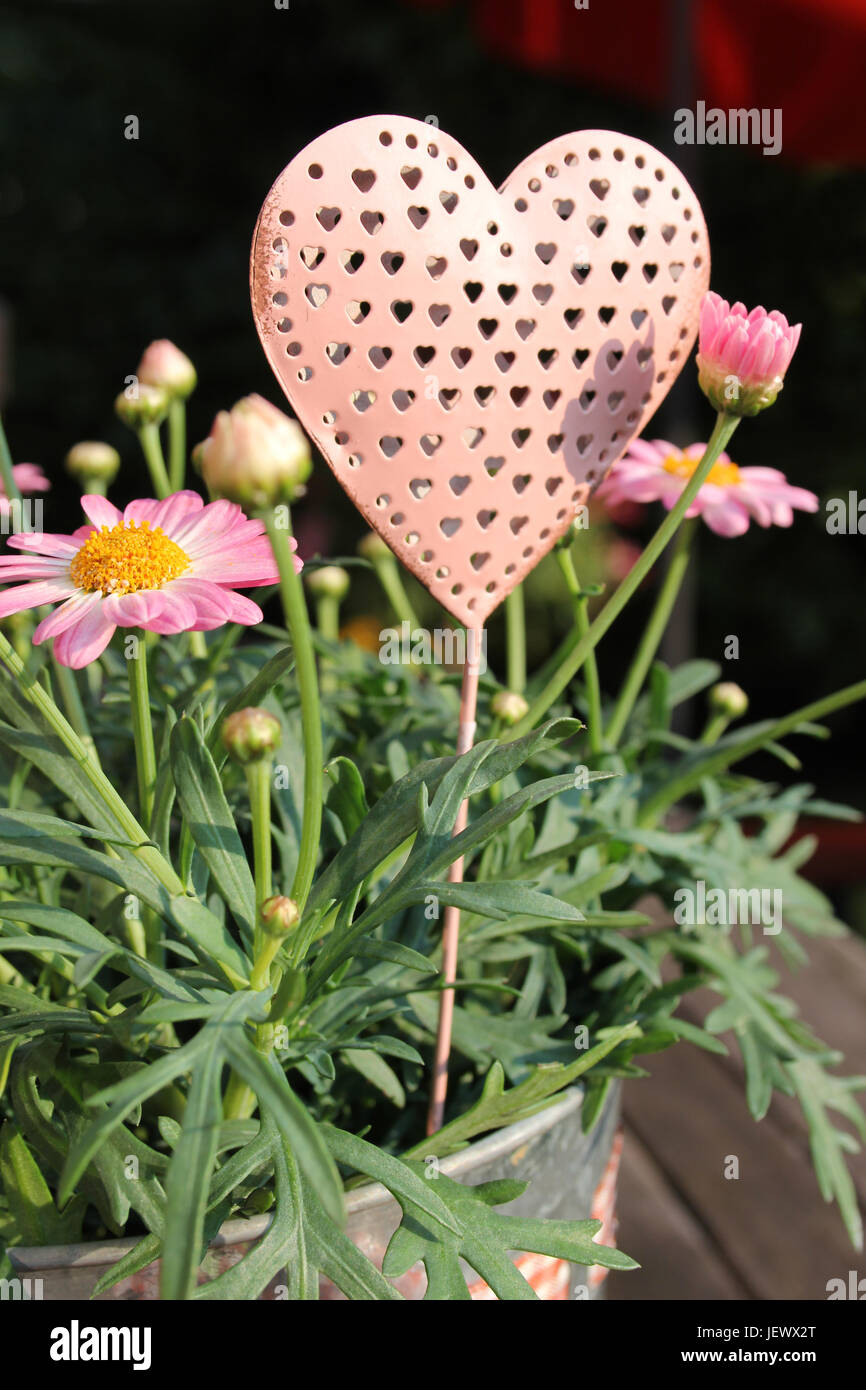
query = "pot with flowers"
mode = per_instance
[{"x": 294, "y": 997}]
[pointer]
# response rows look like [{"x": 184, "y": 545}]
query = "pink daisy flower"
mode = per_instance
[
  {"x": 742, "y": 356},
  {"x": 169, "y": 566},
  {"x": 28, "y": 477},
  {"x": 731, "y": 497}
]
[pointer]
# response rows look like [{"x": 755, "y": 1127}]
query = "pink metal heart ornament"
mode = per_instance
[{"x": 470, "y": 362}]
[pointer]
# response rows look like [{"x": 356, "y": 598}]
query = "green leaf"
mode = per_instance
[
  {"x": 818, "y": 1092},
  {"x": 164, "y": 789},
  {"x": 119, "y": 1101},
  {"x": 497, "y": 1107},
  {"x": 346, "y": 798},
  {"x": 142, "y": 1254},
  {"x": 28, "y": 825},
  {"x": 189, "y": 1175},
  {"x": 499, "y": 900},
  {"x": 339, "y": 1259},
  {"x": 211, "y": 823},
  {"x": 486, "y": 1240},
  {"x": 293, "y": 1120},
  {"x": 37, "y": 1220},
  {"x": 398, "y": 1176},
  {"x": 373, "y": 949},
  {"x": 396, "y": 815},
  {"x": 377, "y": 1071},
  {"x": 284, "y": 1245}
]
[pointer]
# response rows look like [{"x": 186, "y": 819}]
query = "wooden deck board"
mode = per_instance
[{"x": 767, "y": 1234}]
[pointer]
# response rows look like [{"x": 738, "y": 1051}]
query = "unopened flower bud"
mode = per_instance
[
  {"x": 141, "y": 404},
  {"x": 743, "y": 357},
  {"x": 372, "y": 547},
  {"x": 91, "y": 462},
  {"x": 164, "y": 365},
  {"x": 509, "y": 706},
  {"x": 249, "y": 735},
  {"x": 255, "y": 455},
  {"x": 279, "y": 916},
  {"x": 331, "y": 581},
  {"x": 729, "y": 699}
]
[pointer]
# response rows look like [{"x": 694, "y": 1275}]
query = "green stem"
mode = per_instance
[
  {"x": 766, "y": 732},
  {"x": 328, "y": 623},
  {"x": 239, "y": 1101},
  {"x": 389, "y": 577},
  {"x": 654, "y": 631},
  {"x": 259, "y": 791},
  {"x": 72, "y": 702},
  {"x": 581, "y": 622},
  {"x": 10, "y": 487},
  {"x": 722, "y": 431},
  {"x": 515, "y": 635},
  {"x": 298, "y": 624},
  {"x": 148, "y": 437},
  {"x": 715, "y": 727},
  {"x": 265, "y": 957},
  {"x": 142, "y": 729},
  {"x": 328, "y": 617},
  {"x": 177, "y": 443}
]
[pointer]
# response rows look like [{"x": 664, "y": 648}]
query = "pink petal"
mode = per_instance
[
  {"x": 729, "y": 519},
  {"x": 177, "y": 615},
  {"x": 85, "y": 640},
  {"x": 33, "y": 595},
  {"x": 646, "y": 451},
  {"x": 46, "y": 543},
  {"x": 142, "y": 509},
  {"x": 243, "y": 610},
  {"x": 135, "y": 610},
  {"x": 212, "y": 604},
  {"x": 28, "y": 477},
  {"x": 100, "y": 511},
  {"x": 240, "y": 571},
  {"x": 13, "y": 567},
  {"x": 64, "y": 616},
  {"x": 172, "y": 513}
]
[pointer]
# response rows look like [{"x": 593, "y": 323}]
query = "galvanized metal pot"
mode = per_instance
[{"x": 570, "y": 1175}]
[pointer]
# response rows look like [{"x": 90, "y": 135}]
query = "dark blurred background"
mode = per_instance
[{"x": 107, "y": 243}]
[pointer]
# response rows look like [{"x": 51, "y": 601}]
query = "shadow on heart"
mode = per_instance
[{"x": 599, "y": 424}]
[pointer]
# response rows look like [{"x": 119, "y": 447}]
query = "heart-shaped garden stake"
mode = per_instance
[{"x": 469, "y": 361}]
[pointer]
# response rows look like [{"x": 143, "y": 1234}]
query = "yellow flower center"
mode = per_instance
[
  {"x": 125, "y": 558},
  {"x": 722, "y": 474}
]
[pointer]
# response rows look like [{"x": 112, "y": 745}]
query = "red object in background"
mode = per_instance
[
  {"x": 807, "y": 57},
  {"x": 840, "y": 855}
]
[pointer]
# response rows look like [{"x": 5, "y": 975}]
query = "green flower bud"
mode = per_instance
[
  {"x": 279, "y": 916},
  {"x": 250, "y": 735},
  {"x": 331, "y": 581},
  {"x": 91, "y": 462},
  {"x": 508, "y": 706},
  {"x": 730, "y": 699},
  {"x": 141, "y": 404},
  {"x": 372, "y": 547}
]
